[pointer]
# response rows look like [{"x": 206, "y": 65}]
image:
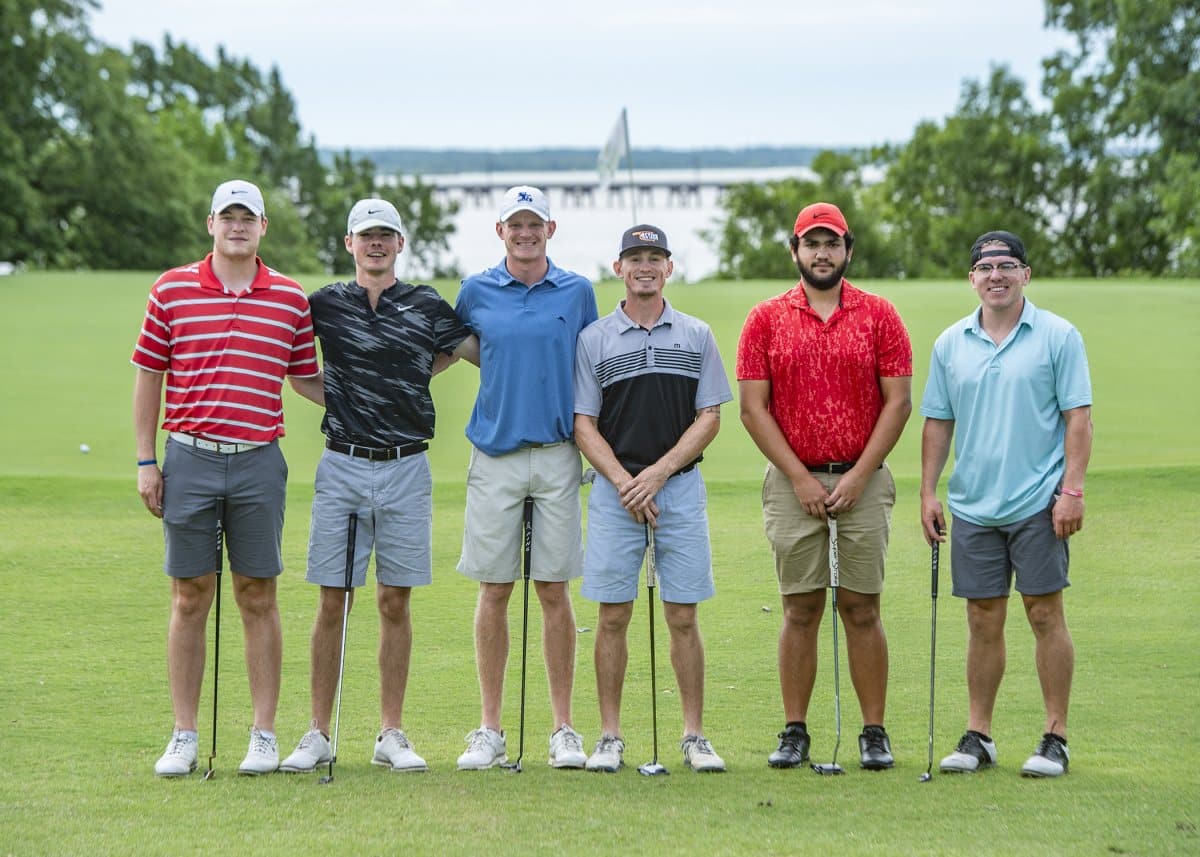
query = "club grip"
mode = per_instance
[
  {"x": 351, "y": 536},
  {"x": 933, "y": 566}
]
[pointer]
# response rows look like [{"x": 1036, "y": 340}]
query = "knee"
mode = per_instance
[
  {"x": 255, "y": 596},
  {"x": 394, "y": 603},
  {"x": 681, "y": 619},
  {"x": 1045, "y": 616},
  {"x": 860, "y": 616},
  {"x": 190, "y": 599}
]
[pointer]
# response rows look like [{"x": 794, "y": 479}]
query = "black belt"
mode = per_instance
[
  {"x": 371, "y": 453},
  {"x": 684, "y": 470},
  {"x": 835, "y": 468}
]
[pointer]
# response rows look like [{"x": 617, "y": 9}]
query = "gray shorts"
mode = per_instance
[
  {"x": 984, "y": 559},
  {"x": 254, "y": 487},
  {"x": 394, "y": 503}
]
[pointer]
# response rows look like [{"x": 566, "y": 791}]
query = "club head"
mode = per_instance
[
  {"x": 325, "y": 780},
  {"x": 512, "y": 767},
  {"x": 208, "y": 775},
  {"x": 925, "y": 777},
  {"x": 653, "y": 769},
  {"x": 829, "y": 770}
]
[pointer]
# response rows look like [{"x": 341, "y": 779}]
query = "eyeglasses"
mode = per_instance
[{"x": 985, "y": 269}]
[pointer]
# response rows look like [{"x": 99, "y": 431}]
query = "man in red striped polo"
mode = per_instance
[{"x": 224, "y": 332}]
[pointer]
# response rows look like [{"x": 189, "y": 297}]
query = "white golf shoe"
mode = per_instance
[
  {"x": 608, "y": 756},
  {"x": 485, "y": 749},
  {"x": 699, "y": 755},
  {"x": 975, "y": 751},
  {"x": 313, "y": 750},
  {"x": 263, "y": 755},
  {"x": 394, "y": 750},
  {"x": 179, "y": 759},
  {"x": 566, "y": 748}
]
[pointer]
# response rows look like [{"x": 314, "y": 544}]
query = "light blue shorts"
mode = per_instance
[
  {"x": 616, "y": 544},
  {"x": 394, "y": 502}
]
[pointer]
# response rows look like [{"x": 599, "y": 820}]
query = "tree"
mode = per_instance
[
  {"x": 1126, "y": 99},
  {"x": 986, "y": 167}
]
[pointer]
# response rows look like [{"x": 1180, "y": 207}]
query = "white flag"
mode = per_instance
[{"x": 613, "y": 151}]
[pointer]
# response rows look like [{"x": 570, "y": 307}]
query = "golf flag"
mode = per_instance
[{"x": 616, "y": 148}]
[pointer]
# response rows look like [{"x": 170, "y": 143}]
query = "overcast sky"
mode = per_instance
[{"x": 481, "y": 75}]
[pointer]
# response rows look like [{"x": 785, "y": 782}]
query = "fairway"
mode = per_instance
[{"x": 83, "y": 690}]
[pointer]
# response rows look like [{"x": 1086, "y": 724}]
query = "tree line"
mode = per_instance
[
  {"x": 1104, "y": 181},
  {"x": 108, "y": 159}
]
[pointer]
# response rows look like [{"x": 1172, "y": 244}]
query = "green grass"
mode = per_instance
[{"x": 83, "y": 695}]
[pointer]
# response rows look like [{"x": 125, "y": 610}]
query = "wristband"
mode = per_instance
[
  {"x": 146, "y": 461},
  {"x": 1071, "y": 492}
]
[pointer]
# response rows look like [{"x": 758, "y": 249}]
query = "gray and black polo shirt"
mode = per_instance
[
  {"x": 645, "y": 386},
  {"x": 378, "y": 362}
]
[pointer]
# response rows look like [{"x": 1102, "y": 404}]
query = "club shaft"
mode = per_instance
[
  {"x": 527, "y": 570},
  {"x": 933, "y": 589},
  {"x": 651, "y": 583},
  {"x": 351, "y": 539},
  {"x": 220, "y": 563},
  {"x": 834, "y": 582}
]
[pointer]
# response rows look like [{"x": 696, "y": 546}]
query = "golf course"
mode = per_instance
[{"x": 85, "y": 711}]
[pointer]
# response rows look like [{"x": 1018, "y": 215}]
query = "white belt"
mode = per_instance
[{"x": 213, "y": 445}]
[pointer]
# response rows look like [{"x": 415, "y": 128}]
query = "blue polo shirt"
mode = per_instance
[
  {"x": 1007, "y": 402},
  {"x": 526, "y": 355}
]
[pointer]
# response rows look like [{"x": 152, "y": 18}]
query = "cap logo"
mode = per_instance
[
  {"x": 524, "y": 196},
  {"x": 646, "y": 235},
  {"x": 374, "y": 210},
  {"x": 239, "y": 190}
]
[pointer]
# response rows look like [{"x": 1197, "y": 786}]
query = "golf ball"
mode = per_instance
[{"x": 84, "y": 448}]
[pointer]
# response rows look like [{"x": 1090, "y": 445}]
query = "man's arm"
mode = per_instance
[
  {"x": 936, "y": 437},
  {"x": 755, "y": 398},
  {"x": 467, "y": 350},
  {"x": 147, "y": 403},
  {"x": 311, "y": 388},
  {"x": 637, "y": 494},
  {"x": 897, "y": 405},
  {"x": 1068, "y": 510}
]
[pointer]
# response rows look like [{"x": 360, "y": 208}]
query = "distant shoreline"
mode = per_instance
[{"x": 448, "y": 161}]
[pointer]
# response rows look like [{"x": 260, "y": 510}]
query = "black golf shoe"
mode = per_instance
[
  {"x": 1050, "y": 759},
  {"x": 793, "y": 748},
  {"x": 875, "y": 748}
]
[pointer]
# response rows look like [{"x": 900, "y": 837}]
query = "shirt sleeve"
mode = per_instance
[
  {"x": 895, "y": 348},
  {"x": 153, "y": 349},
  {"x": 713, "y": 388},
  {"x": 935, "y": 401},
  {"x": 588, "y": 396},
  {"x": 1072, "y": 380},
  {"x": 752, "y": 362}
]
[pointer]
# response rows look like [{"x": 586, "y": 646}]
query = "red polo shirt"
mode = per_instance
[
  {"x": 226, "y": 355},
  {"x": 824, "y": 375}
]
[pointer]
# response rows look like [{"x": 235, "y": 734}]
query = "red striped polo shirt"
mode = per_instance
[
  {"x": 226, "y": 355},
  {"x": 824, "y": 375}
]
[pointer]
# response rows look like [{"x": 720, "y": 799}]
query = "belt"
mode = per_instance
[
  {"x": 832, "y": 467},
  {"x": 226, "y": 447},
  {"x": 372, "y": 453},
  {"x": 543, "y": 445},
  {"x": 684, "y": 470}
]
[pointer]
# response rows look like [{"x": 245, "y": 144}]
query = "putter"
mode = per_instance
[
  {"x": 933, "y": 589},
  {"x": 652, "y": 768},
  {"x": 833, "y": 767},
  {"x": 208, "y": 775},
  {"x": 351, "y": 534},
  {"x": 527, "y": 549}
]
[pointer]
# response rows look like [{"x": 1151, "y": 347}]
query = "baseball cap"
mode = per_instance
[
  {"x": 238, "y": 192},
  {"x": 524, "y": 198},
  {"x": 368, "y": 213},
  {"x": 821, "y": 215},
  {"x": 1015, "y": 246},
  {"x": 644, "y": 235}
]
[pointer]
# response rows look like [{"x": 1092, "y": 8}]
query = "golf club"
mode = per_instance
[
  {"x": 833, "y": 767},
  {"x": 527, "y": 549},
  {"x": 652, "y": 768},
  {"x": 928, "y": 775},
  {"x": 351, "y": 534},
  {"x": 208, "y": 775}
]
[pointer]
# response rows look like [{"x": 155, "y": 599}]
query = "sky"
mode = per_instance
[{"x": 474, "y": 75}]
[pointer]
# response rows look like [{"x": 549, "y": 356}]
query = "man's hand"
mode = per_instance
[
  {"x": 150, "y": 487},
  {"x": 1067, "y": 515}
]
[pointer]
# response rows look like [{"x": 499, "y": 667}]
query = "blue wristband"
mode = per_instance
[{"x": 145, "y": 461}]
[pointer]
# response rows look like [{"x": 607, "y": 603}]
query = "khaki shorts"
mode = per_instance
[
  {"x": 496, "y": 490},
  {"x": 801, "y": 542}
]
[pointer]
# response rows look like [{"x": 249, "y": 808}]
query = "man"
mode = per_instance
[
  {"x": 225, "y": 331},
  {"x": 1009, "y": 383},
  {"x": 649, "y": 385},
  {"x": 379, "y": 339},
  {"x": 527, "y": 313},
  {"x": 824, "y": 375}
]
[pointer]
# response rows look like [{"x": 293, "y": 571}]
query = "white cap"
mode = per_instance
[
  {"x": 238, "y": 192},
  {"x": 524, "y": 198},
  {"x": 368, "y": 213}
]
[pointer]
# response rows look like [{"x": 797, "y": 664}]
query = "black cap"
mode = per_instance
[
  {"x": 644, "y": 235},
  {"x": 1016, "y": 248}
]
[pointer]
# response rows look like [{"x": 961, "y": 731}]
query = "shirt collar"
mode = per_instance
[
  {"x": 626, "y": 323},
  {"x": 1028, "y": 315},
  {"x": 552, "y": 278}
]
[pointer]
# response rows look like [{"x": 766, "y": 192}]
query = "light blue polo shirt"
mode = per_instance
[
  {"x": 526, "y": 355},
  {"x": 1007, "y": 402}
]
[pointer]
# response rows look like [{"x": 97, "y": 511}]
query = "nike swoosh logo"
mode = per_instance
[
  {"x": 374, "y": 210},
  {"x": 238, "y": 191}
]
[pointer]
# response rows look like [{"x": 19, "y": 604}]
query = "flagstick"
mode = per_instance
[{"x": 629, "y": 161}]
